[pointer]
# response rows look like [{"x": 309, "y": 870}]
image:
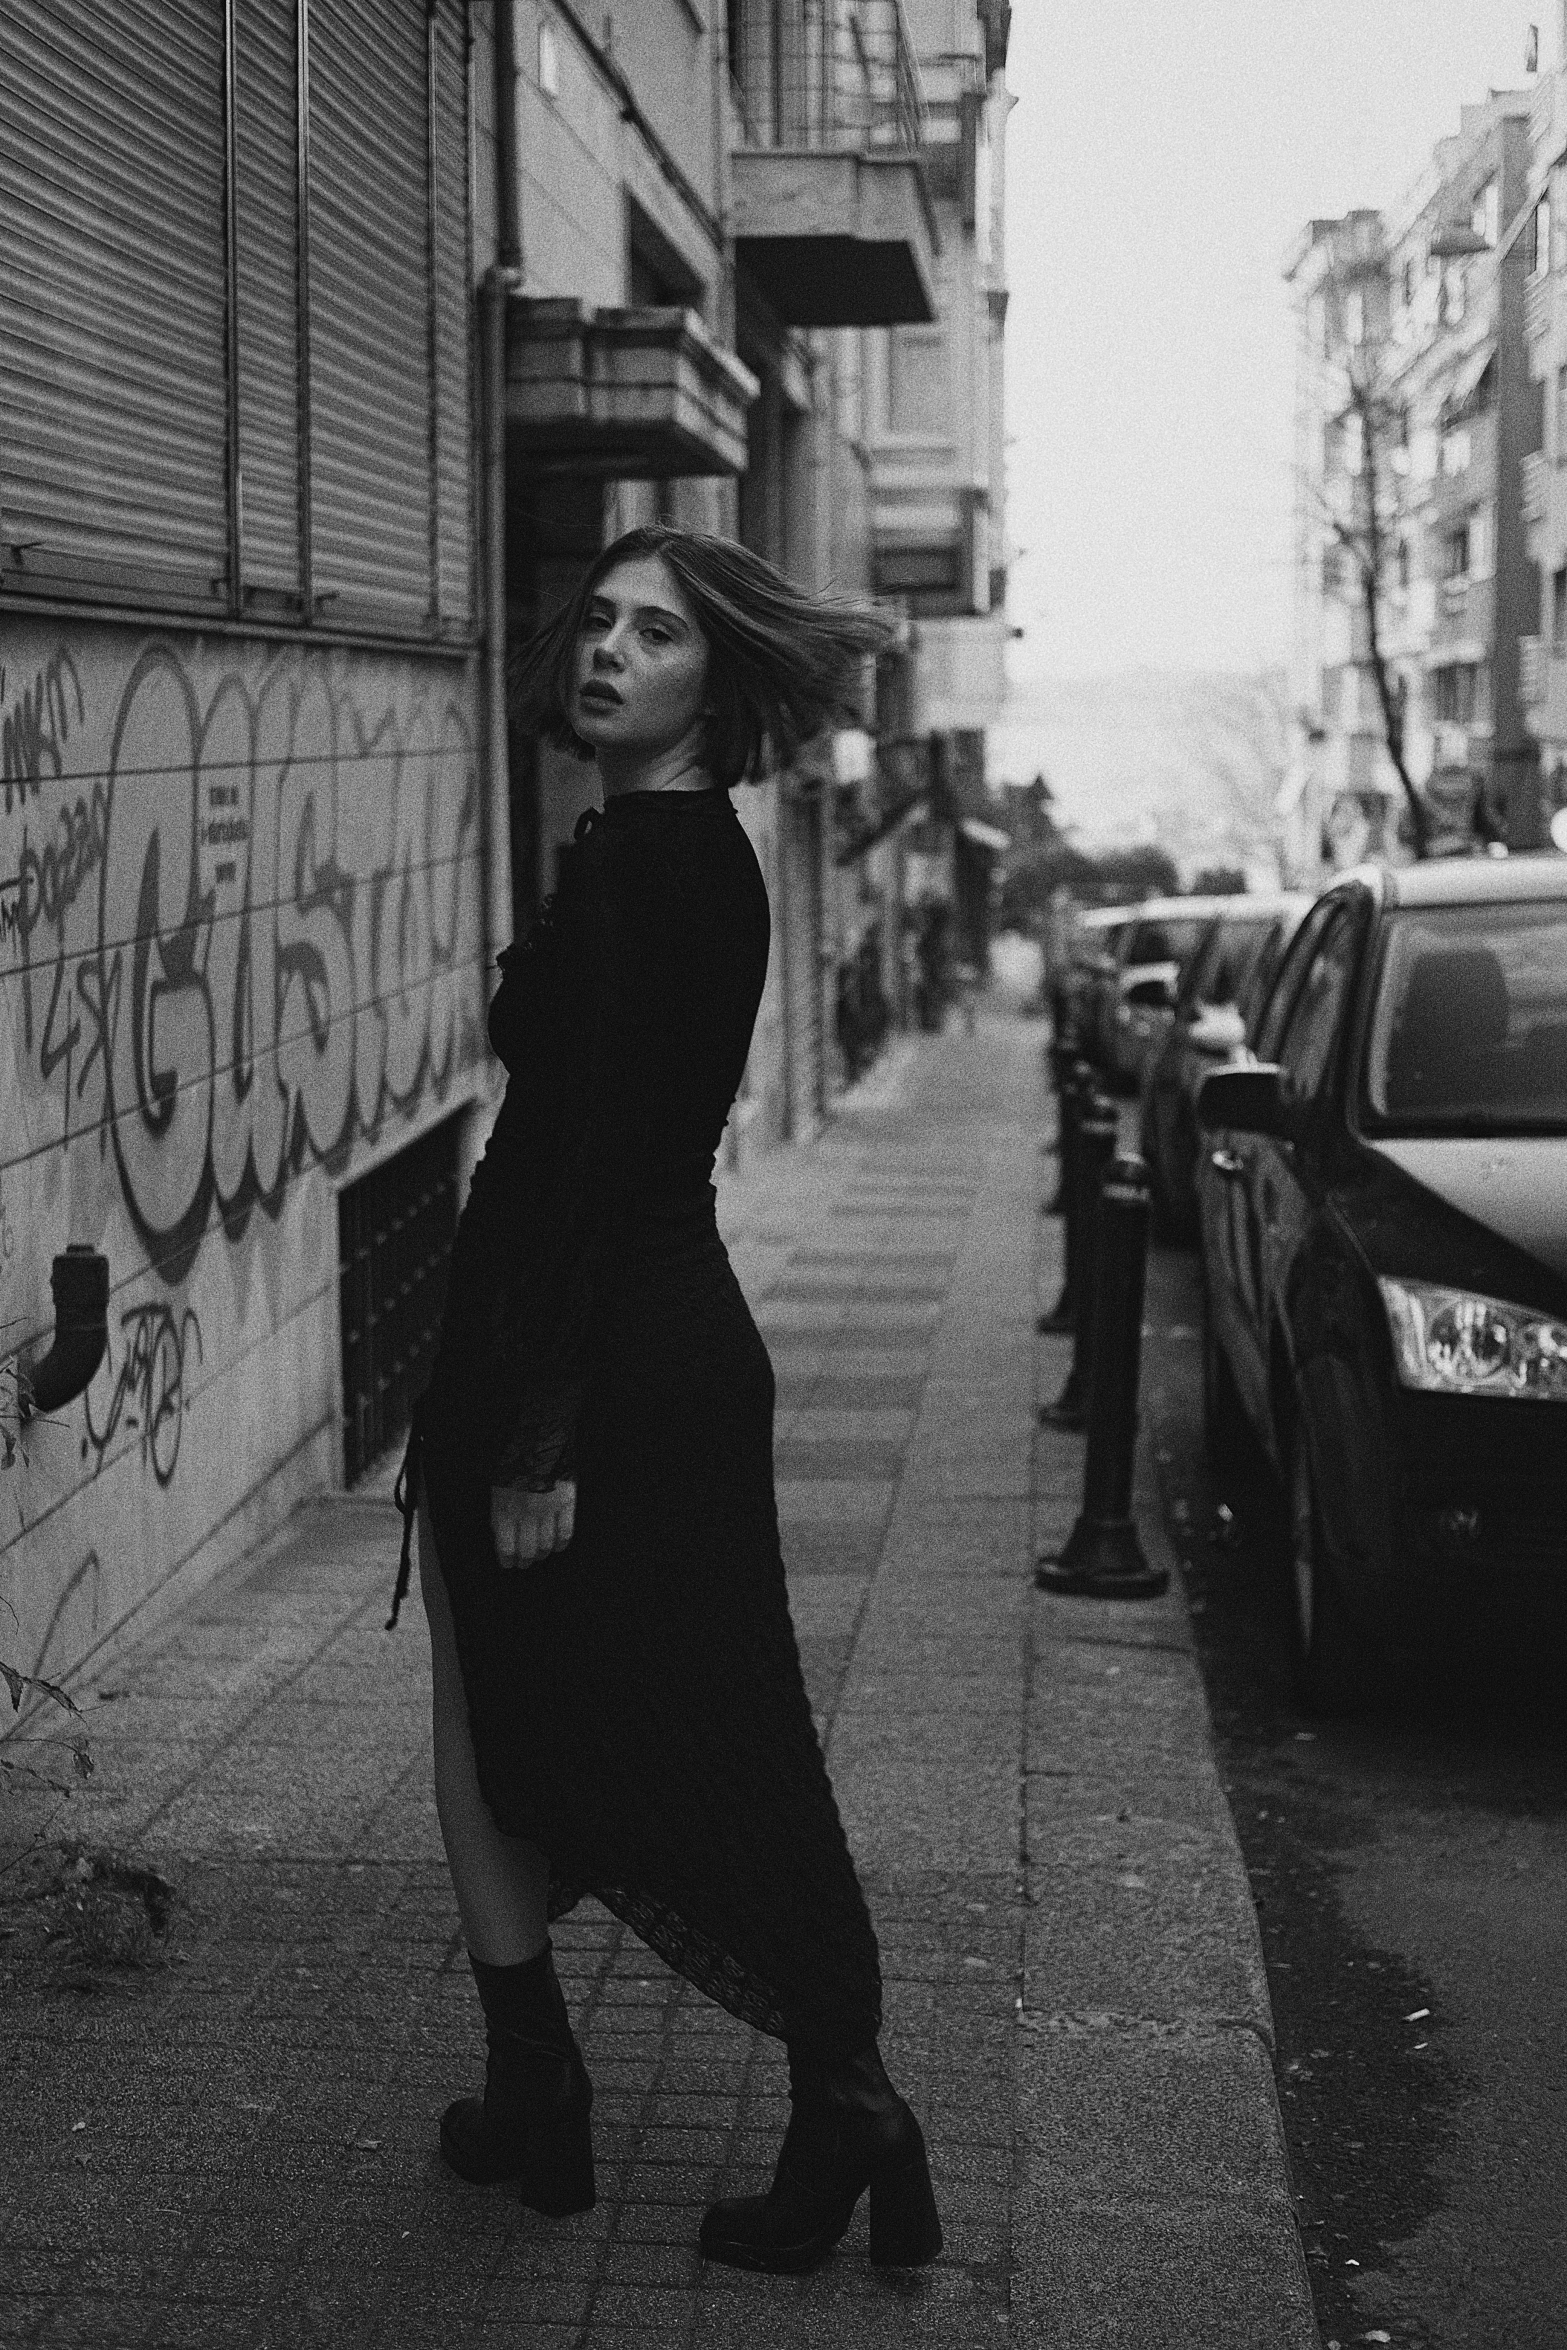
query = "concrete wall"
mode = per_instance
[{"x": 240, "y": 960}]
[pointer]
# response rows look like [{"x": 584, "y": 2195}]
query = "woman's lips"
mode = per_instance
[{"x": 594, "y": 692}]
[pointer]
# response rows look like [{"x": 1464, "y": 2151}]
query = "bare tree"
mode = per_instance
[
  {"x": 1364, "y": 529},
  {"x": 1240, "y": 741}
]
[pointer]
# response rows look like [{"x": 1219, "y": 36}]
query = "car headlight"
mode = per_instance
[{"x": 1451, "y": 1342}]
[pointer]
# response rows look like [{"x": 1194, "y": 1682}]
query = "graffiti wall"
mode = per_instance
[{"x": 241, "y": 958}]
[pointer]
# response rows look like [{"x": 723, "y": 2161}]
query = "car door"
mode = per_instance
[
  {"x": 1283, "y": 1188},
  {"x": 1231, "y": 1250}
]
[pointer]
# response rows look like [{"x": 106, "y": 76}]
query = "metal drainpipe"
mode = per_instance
[{"x": 503, "y": 278}]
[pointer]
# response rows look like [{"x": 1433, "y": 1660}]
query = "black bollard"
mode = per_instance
[
  {"x": 1073, "y": 1076},
  {"x": 1077, "y": 1089},
  {"x": 1103, "y": 1557},
  {"x": 1094, "y": 1149}
]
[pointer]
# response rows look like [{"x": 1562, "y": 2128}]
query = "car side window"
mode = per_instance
[
  {"x": 1197, "y": 980},
  {"x": 1281, "y": 1001},
  {"x": 1306, "y": 1045}
]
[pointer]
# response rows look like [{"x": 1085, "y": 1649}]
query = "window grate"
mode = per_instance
[{"x": 395, "y": 1231}]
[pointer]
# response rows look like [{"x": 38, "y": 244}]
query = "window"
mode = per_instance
[
  {"x": 1561, "y": 416},
  {"x": 1456, "y": 449},
  {"x": 1455, "y": 693},
  {"x": 1485, "y": 212},
  {"x": 1332, "y": 445},
  {"x": 1332, "y": 571},
  {"x": 1317, "y": 1014},
  {"x": 917, "y": 389},
  {"x": 1480, "y": 564},
  {"x": 1540, "y": 239},
  {"x": 1276, "y": 1009},
  {"x": 1407, "y": 283},
  {"x": 1559, "y": 609},
  {"x": 1455, "y": 553},
  {"x": 549, "y": 60},
  {"x": 1470, "y": 1027}
]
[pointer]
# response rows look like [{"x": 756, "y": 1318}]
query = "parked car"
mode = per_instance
[
  {"x": 1091, "y": 949},
  {"x": 1221, "y": 993},
  {"x": 1384, "y": 1230},
  {"x": 1132, "y": 1001}
]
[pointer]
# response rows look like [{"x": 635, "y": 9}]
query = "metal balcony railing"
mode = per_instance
[
  {"x": 828, "y": 76},
  {"x": 1531, "y": 671}
]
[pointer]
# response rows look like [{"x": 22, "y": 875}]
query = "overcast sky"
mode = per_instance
[{"x": 1163, "y": 155}]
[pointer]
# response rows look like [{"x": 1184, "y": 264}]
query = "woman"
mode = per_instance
[{"x": 619, "y": 1707}]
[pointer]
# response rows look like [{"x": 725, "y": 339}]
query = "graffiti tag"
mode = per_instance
[
  {"x": 35, "y": 726},
  {"x": 149, "y": 1387},
  {"x": 255, "y": 939}
]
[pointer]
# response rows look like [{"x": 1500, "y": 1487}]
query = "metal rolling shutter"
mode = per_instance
[
  {"x": 369, "y": 330},
  {"x": 266, "y": 251},
  {"x": 453, "y": 319},
  {"x": 112, "y": 292}
]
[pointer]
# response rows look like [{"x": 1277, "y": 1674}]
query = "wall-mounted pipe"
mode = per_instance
[{"x": 80, "y": 1283}]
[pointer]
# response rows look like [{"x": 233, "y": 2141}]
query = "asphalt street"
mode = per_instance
[{"x": 1410, "y": 1876}]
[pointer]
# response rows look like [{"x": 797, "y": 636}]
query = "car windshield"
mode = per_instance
[{"x": 1469, "y": 1030}]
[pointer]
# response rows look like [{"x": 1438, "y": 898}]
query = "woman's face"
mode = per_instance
[{"x": 641, "y": 667}]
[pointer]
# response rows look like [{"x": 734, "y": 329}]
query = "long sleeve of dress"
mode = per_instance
[{"x": 641, "y": 985}]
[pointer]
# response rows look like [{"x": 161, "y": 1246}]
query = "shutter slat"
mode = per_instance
[
  {"x": 453, "y": 321},
  {"x": 369, "y": 366},
  {"x": 112, "y": 345},
  {"x": 266, "y": 253}
]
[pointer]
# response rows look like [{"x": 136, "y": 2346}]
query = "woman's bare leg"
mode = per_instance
[{"x": 501, "y": 1882}]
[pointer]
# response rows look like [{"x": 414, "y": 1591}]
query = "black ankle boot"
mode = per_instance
[
  {"x": 533, "y": 2122},
  {"x": 848, "y": 2130}
]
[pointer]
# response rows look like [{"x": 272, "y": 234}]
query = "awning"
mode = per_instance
[
  {"x": 984, "y": 836},
  {"x": 887, "y": 822},
  {"x": 1466, "y": 382}
]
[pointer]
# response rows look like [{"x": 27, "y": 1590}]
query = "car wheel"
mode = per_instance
[{"x": 1330, "y": 1667}]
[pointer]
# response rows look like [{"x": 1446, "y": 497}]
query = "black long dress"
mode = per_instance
[{"x": 636, "y": 1701}]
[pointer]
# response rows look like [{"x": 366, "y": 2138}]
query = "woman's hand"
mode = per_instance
[{"x": 531, "y": 1526}]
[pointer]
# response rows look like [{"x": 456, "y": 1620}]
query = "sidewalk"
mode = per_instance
[{"x": 237, "y": 2146}]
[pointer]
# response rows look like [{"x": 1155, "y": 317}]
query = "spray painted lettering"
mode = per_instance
[
  {"x": 35, "y": 726},
  {"x": 148, "y": 1391},
  {"x": 251, "y": 934}
]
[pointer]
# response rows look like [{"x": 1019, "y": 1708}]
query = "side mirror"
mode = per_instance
[
  {"x": 1152, "y": 995},
  {"x": 1246, "y": 1101}
]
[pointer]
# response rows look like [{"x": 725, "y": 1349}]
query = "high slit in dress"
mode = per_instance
[{"x": 636, "y": 1702}]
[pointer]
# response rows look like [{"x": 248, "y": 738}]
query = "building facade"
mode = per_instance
[
  {"x": 1542, "y": 255},
  {"x": 1415, "y": 415},
  {"x": 245, "y": 913},
  {"x": 315, "y": 410}
]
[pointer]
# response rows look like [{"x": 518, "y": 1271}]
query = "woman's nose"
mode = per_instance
[{"x": 607, "y": 652}]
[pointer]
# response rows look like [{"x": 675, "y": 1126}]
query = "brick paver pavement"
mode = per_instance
[{"x": 237, "y": 2146}]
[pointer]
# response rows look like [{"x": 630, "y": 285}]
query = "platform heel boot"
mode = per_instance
[
  {"x": 849, "y": 2130},
  {"x": 533, "y": 2123}
]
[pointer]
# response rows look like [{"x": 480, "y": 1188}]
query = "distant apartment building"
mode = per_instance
[
  {"x": 1541, "y": 239},
  {"x": 1414, "y": 415},
  {"x": 937, "y": 462}
]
